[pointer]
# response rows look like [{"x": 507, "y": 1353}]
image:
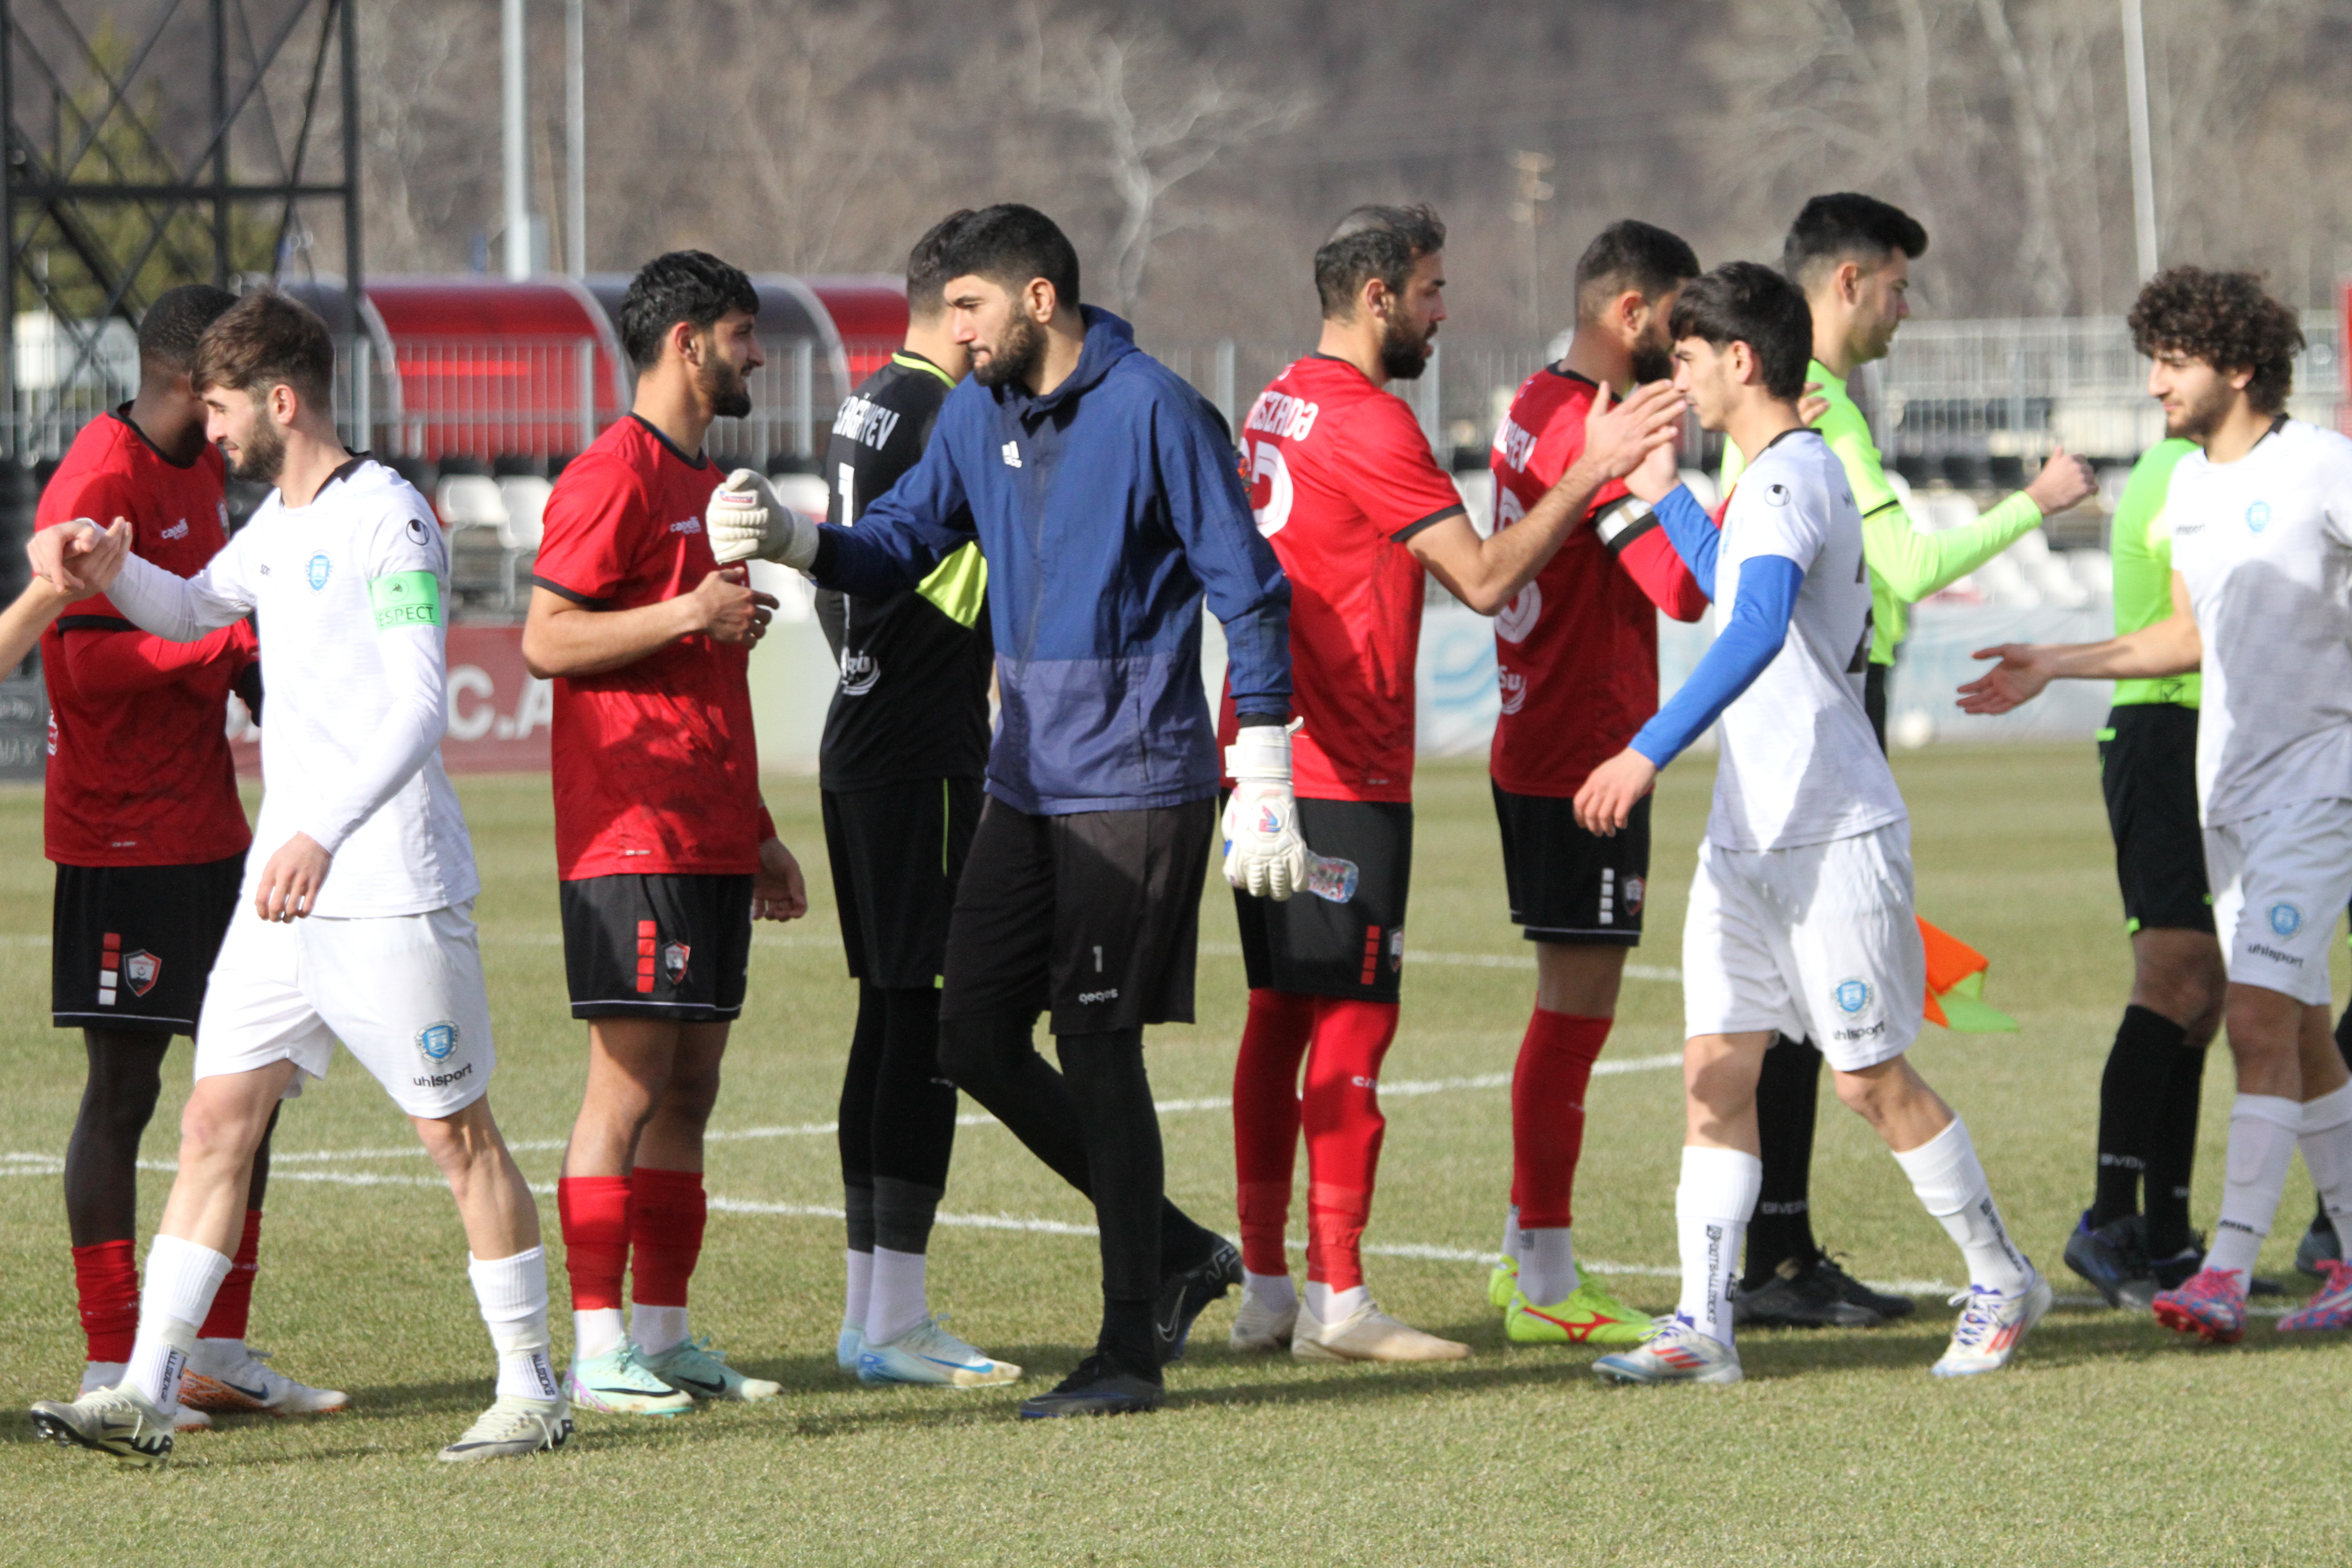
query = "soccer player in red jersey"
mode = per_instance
[
  {"x": 1577, "y": 660},
  {"x": 1345, "y": 487},
  {"x": 664, "y": 852},
  {"x": 141, "y": 816}
]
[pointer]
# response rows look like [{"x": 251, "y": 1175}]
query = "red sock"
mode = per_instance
[
  {"x": 595, "y": 1218},
  {"x": 1341, "y": 1110},
  {"x": 1266, "y": 1122},
  {"x": 234, "y": 1301},
  {"x": 1547, "y": 1113},
  {"x": 664, "y": 1234},
  {"x": 106, "y": 1279}
]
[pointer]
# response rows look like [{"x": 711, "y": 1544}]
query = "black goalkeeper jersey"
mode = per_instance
[{"x": 913, "y": 698}]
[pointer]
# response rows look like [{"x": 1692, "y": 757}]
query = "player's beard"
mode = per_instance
[
  {"x": 724, "y": 386},
  {"x": 1014, "y": 356},
  {"x": 2199, "y": 420},
  {"x": 1404, "y": 350},
  {"x": 1651, "y": 363},
  {"x": 261, "y": 456}
]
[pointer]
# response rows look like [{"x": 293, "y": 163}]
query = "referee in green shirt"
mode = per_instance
[{"x": 1851, "y": 256}]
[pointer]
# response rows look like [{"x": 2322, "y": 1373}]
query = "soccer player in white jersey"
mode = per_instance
[
  {"x": 1800, "y": 917},
  {"x": 2261, "y": 604},
  {"x": 354, "y": 920}
]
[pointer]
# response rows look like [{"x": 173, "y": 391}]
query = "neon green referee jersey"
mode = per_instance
[{"x": 2141, "y": 540}]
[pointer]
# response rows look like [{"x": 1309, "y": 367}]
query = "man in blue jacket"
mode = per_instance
[{"x": 1104, "y": 496}]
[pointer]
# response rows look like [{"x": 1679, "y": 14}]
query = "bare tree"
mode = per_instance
[{"x": 1162, "y": 117}]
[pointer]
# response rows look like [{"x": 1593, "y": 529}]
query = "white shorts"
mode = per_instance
[
  {"x": 2279, "y": 879},
  {"x": 404, "y": 992},
  {"x": 1818, "y": 943}
]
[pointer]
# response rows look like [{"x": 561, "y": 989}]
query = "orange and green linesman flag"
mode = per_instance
[{"x": 1956, "y": 976}]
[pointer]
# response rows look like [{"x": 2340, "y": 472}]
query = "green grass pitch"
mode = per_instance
[{"x": 2106, "y": 1443}]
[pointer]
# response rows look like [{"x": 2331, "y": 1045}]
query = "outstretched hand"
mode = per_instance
[
  {"x": 1658, "y": 474},
  {"x": 2018, "y": 679},
  {"x": 1619, "y": 436},
  {"x": 78, "y": 558}
]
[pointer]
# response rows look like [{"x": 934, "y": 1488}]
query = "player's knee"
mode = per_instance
[
  {"x": 116, "y": 1110},
  {"x": 973, "y": 1051},
  {"x": 210, "y": 1128}
]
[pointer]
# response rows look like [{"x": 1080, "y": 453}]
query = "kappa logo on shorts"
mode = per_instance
[
  {"x": 438, "y": 1040},
  {"x": 1851, "y": 995},
  {"x": 2258, "y": 516},
  {"x": 318, "y": 572},
  {"x": 2285, "y": 919},
  {"x": 138, "y": 971},
  {"x": 1635, "y": 888},
  {"x": 673, "y": 957}
]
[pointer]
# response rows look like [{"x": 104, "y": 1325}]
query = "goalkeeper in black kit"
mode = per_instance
[{"x": 906, "y": 744}]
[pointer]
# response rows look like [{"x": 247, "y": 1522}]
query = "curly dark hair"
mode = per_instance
[
  {"x": 2225, "y": 319},
  {"x": 690, "y": 286}
]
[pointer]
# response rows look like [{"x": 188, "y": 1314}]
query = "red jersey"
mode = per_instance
[
  {"x": 656, "y": 773},
  {"x": 1340, "y": 476},
  {"x": 1576, "y": 652},
  {"x": 139, "y": 772}
]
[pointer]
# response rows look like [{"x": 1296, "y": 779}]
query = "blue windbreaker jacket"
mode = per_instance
[{"x": 1107, "y": 510}]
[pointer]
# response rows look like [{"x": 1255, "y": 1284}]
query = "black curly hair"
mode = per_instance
[
  {"x": 690, "y": 286},
  {"x": 2228, "y": 320}
]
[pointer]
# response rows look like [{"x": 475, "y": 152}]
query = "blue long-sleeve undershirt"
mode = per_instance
[
  {"x": 1758, "y": 625},
  {"x": 1691, "y": 532}
]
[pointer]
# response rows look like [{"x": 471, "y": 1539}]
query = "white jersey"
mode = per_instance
[
  {"x": 349, "y": 592},
  {"x": 1800, "y": 764},
  {"x": 2265, "y": 545}
]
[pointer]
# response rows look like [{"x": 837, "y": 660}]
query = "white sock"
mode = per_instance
[
  {"x": 1275, "y": 1290},
  {"x": 181, "y": 1279},
  {"x": 2262, "y": 1133},
  {"x": 1951, "y": 1185},
  {"x": 2327, "y": 1143},
  {"x": 860, "y": 1268},
  {"x": 1331, "y": 1308},
  {"x": 512, "y": 1295},
  {"x": 1546, "y": 1265},
  {"x": 598, "y": 1330},
  {"x": 1718, "y": 1194},
  {"x": 1510, "y": 1247},
  {"x": 98, "y": 1374},
  {"x": 899, "y": 1303},
  {"x": 654, "y": 1328}
]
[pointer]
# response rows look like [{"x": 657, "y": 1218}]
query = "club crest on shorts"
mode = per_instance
[
  {"x": 318, "y": 572},
  {"x": 438, "y": 1040},
  {"x": 138, "y": 971},
  {"x": 2285, "y": 919},
  {"x": 1396, "y": 949},
  {"x": 1634, "y": 888},
  {"x": 674, "y": 956},
  {"x": 1851, "y": 995}
]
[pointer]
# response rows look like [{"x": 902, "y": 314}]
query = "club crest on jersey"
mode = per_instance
[
  {"x": 1518, "y": 617},
  {"x": 1853, "y": 996},
  {"x": 2258, "y": 516},
  {"x": 138, "y": 971},
  {"x": 674, "y": 956},
  {"x": 2285, "y": 919},
  {"x": 318, "y": 572},
  {"x": 437, "y": 1041}
]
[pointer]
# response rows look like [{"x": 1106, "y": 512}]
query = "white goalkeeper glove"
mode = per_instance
[
  {"x": 747, "y": 519},
  {"x": 1264, "y": 856}
]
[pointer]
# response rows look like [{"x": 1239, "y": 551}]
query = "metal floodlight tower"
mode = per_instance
[{"x": 165, "y": 145}]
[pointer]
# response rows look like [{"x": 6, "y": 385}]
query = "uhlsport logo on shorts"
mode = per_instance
[
  {"x": 2285, "y": 919},
  {"x": 1851, "y": 995},
  {"x": 319, "y": 571},
  {"x": 2258, "y": 516},
  {"x": 438, "y": 1040}
]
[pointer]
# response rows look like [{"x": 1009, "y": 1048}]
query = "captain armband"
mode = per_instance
[
  {"x": 1623, "y": 521},
  {"x": 405, "y": 599}
]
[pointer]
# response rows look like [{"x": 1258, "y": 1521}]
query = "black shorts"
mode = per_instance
[
  {"x": 2148, "y": 770},
  {"x": 897, "y": 852},
  {"x": 657, "y": 947},
  {"x": 129, "y": 946},
  {"x": 1094, "y": 917},
  {"x": 1570, "y": 886},
  {"x": 1335, "y": 941}
]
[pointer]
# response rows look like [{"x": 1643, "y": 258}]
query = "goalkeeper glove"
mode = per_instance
[
  {"x": 1264, "y": 856},
  {"x": 748, "y": 519}
]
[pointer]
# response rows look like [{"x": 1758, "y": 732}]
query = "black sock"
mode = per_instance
[
  {"x": 1107, "y": 1079},
  {"x": 912, "y": 1111},
  {"x": 2131, "y": 1099},
  {"x": 1788, "y": 1099},
  {"x": 2173, "y": 1155},
  {"x": 854, "y": 1122},
  {"x": 992, "y": 1058}
]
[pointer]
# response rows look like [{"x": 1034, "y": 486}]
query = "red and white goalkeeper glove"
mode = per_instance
[
  {"x": 747, "y": 519},
  {"x": 1264, "y": 856}
]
